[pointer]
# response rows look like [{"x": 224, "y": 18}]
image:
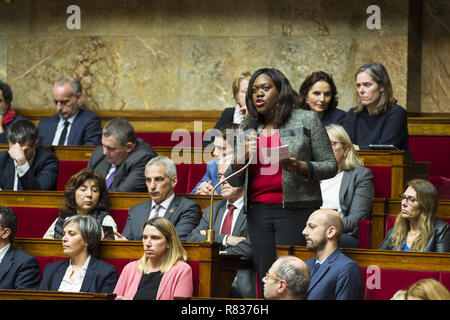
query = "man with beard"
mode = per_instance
[{"x": 334, "y": 276}]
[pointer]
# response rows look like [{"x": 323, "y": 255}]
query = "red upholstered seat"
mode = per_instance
[
  {"x": 444, "y": 278},
  {"x": 166, "y": 139},
  {"x": 442, "y": 185},
  {"x": 34, "y": 222},
  {"x": 393, "y": 280},
  {"x": 365, "y": 234},
  {"x": 432, "y": 149},
  {"x": 66, "y": 170},
  {"x": 381, "y": 181},
  {"x": 120, "y": 217},
  {"x": 195, "y": 275}
]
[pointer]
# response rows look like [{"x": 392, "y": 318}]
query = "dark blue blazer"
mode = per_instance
[
  {"x": 101, "y": 277},
  {"x": 19, "y": 270},
  {"x": 42, "y": 174},
  {"x": 331, "y": 116},
  {"x": 339, "y": 278},
  {"x": 86, "y": 129}
]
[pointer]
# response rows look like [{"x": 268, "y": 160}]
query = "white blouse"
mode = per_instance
[
  {"x": 67, "y": 285},
  {"x": 330, "y": 192}
]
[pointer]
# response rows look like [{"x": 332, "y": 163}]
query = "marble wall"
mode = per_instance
[{"x": 183, "y": 55}]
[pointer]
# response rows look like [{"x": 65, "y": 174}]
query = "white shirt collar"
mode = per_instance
[{"x": 3, "y": 251}]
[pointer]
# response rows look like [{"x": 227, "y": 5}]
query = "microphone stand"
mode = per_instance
[{"x": 210, "y": 234}]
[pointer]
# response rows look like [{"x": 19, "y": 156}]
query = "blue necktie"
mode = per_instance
[
  {"x": 316, "y": 267},
  {"x": 110, "y": 179},
  {"x": 19, "y": 185}
]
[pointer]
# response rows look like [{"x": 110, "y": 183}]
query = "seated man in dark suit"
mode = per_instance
[
  {"x": 7, "y": 115},
  {"x": 27, "y": 165},
  {"x": 122, "y": 157},
  {"x": 334, "y": 276},
  {"x": 230, "y": 226},
  {"x": 161, "y": 179},
  {"x": 18, "y": 269},
  {"x": 72, "y": 124}
]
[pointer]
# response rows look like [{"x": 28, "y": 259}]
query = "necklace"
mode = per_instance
[{"x": 413, "y": 233}]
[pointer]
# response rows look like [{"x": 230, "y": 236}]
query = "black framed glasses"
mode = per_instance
[{"x": 409, "y": 200}]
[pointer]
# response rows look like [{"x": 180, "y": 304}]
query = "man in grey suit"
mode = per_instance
[
  {"x": 334, "y": 276},
  {"x": 230, "y": 225},
  {"x": 122, "y": 157},
  {"x": 161, "y": 179}
]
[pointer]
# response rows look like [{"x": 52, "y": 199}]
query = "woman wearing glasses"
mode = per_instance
[
  {"x": 351, "y": 190},
  {"x": 416, "y": 227}
]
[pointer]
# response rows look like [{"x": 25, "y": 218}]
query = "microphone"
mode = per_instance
[{"x": 210, "y": 234}]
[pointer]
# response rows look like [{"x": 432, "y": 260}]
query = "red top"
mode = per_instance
[{"x": 266, "y": 179}]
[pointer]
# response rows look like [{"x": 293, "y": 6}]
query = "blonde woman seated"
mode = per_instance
[
  {"x": 82, "y": 272},
  {"x": 427, "y": 289},
  {"x": 350, "y": 192},
  {"x": 416, "y": 227},
  {"x": 161, "y": 273},
  {"x": 85, "y": 194}
]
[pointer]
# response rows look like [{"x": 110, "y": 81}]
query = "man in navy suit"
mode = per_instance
[
  {"x": 71, "y": 125},
  {"x": 334, "y": 276},
  {"x": 18, "y": 270},
  {"x": 161, "y": 179},
  {"x": 27, "y": 165}
]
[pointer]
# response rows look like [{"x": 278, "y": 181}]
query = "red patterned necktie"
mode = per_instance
[{"x": 228, "y": 222}]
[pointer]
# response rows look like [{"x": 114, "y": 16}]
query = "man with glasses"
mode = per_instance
[
  {"x": 334, "y": 276},
  {"x": 18, "y": 269},
  {"x": 230, "y": 226},
  {"x": 288, "y": 279},
  {"x": 72, "y": 124}
]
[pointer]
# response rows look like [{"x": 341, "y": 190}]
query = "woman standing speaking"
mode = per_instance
[{"x": 279, "y": 195}]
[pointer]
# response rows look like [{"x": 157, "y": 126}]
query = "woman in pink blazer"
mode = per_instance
[{"x": 161, "y": 273}]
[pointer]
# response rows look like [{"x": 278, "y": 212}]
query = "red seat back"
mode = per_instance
[
  {"x": 365, "y": 234},
  {"x": 120, "y": 217},
  {"x": 34, "y": 222},
  {"x": 66, "y": 170},
  {"x": 433, "y": 149},
  {"x": 381, "y": 181},
  {"x": 393, "y": 280}
]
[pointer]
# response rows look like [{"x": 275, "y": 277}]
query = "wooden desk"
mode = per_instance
[
  {"x": 426, "y": 261},
  {"x": 216, "y": 272},
  {"x": 6, "y": 294},
  {"x": 53, "y": 199}
]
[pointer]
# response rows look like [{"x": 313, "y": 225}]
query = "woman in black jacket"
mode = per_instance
[{"x": 416, "y": 227}]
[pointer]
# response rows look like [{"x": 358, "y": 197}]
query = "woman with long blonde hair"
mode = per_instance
[
  {"x": 416, "y": 227},
  {"x": 351, "y": 190},
  {"x": 161, "y": 273}
]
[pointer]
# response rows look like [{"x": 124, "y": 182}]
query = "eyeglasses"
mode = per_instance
[
  {"x": 335, "y": 143},
  {"x": 409, "y": 200},
  {"x": 268, "y": 275}
]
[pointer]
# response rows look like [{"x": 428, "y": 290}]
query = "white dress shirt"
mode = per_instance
[
  {"x": 67, "y": 285},
  {"x": 3, "y": 251},
  {"x": 239, "y": 203},
  {"x": 162, "y": 207},
  {"x": 60, "y": 128}
]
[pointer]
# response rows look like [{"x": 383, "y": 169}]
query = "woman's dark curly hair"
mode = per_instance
[
  {"x": 69, "y": 206},
  {"x": 287, "y": 97},
  {"x": 308, "y": 83}
]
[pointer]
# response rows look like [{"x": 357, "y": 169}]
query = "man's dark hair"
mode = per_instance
[
  {"x": 8, "y": 220},
  {"x": 7, "y": 92},
  {"x": 22, "y": 131},
  {"x": 120, "y": 129}
]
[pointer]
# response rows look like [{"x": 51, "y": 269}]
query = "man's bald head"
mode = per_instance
[{"x": 330, "y": 218}]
